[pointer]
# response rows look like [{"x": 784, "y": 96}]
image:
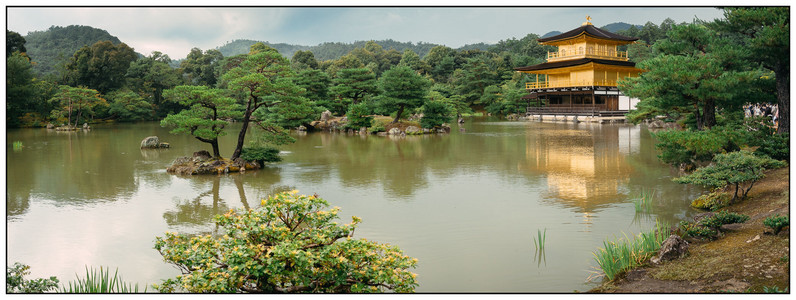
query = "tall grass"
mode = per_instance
[
  {"x": 644, "y": 201},
  {"x": 100, "y": 281},
  {"x": 622, "y": 255}
]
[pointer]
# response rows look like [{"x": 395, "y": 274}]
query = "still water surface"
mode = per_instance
[{"x": 467, "y": 205}]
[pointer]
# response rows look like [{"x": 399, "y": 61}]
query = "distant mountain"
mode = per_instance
[
  {"x": 57, "y": 44},
  {"x": 242, "y": 46},
  {"x": 615, "y": 27},
  {"x": 477, "y": 46},
  {"x": 551, "y": 33}
]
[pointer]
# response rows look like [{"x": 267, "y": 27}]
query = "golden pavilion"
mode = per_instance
[{"x": 580, "y": 77}]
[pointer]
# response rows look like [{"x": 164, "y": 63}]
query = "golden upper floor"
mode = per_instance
[{"x": 587, "y": 41}]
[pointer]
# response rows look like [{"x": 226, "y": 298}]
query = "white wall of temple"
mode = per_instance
[{"x": 627, "y": 103}]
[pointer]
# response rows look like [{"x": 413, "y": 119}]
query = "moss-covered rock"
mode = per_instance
[{"x": 712, "y": 201}]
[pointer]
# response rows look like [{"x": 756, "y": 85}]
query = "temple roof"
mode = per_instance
[
  {"x": 576, "y": 62},
  {"x": 590, "y": 30}
]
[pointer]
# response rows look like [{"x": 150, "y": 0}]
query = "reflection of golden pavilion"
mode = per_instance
[{"x": 582, "y": 171}]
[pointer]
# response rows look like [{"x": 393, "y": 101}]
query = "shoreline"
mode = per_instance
[{"x": 745, "y": 260}]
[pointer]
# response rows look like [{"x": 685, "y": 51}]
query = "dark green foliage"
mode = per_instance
[
  {"x": 16, "y": 283},
  {"x": 126, "y": 105},
  {"x": 303, "y": 60},
  {"x": 76, "y": 104},
  {"x": 722, "y": 218},
  {"x": 776, "y": 147},
  {"x": 359, "y": 116},
  {"x": 14, "y": 43},
  {"x": 764, "y": 32},
  {"x": 150, "y": 75},
  {"x": 199, "y": 68},
  {"x": 776, "y": 222},
  {"x": 20, "y": 89},
  {"x": 264, "y": 81},
  {"x": 690, "y": 147},
  {"x": 735, "y": 169},
  {"x": 260, "y": 154},
  {"x": 402, "y": 89},
  {"x": 473, "y": 78},
  {"x": 412, "y": 60},
  {"x": 102, "y": 66},
  {"x": 699, "y": 232},
  {"x": 206, "y": 116},
  {"x": 350, "y": 86},
  {"x": 697, "y": 73},
  {"x": 436, "y": 113}
]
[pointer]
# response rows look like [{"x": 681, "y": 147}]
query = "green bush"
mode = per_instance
[
  {"x": 776, "y": 147},
  {"x": 436, "y": 113},
  {"x": 260, "y": 154},
  {"x": 699, "y": 232},
  {"x": 712, "y": 201},
  {"x": 690, "y": 147},
  {"x": 359, "y": 116},
  {"x": 723, "y": 217},
  {"x": 735, "y": 168},
  {"x": 776, "y": 223},
  {"x": 16, "y": 283},
  {"x": 290, "y": 244}
]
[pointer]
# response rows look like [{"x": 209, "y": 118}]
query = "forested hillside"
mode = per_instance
[
  {"x": 53, "y": 47},
  {"x": 324, "y": 51}
]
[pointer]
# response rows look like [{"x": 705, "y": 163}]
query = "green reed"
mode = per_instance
[
  {"x": 622, "y": 255},
  {"x": 100, "y": 281},
  {"x": 644, "y": 201},
  {"x": 540, "y": 238}
]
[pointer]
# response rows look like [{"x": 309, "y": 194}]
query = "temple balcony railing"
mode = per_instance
[
  {"x": 567, "y": 83},
  {"x": 588, "y": 53}
]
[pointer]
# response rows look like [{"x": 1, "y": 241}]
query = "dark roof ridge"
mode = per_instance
[
  {"x": 576, "y": 62},
  {"x": 590, "y": 30}
]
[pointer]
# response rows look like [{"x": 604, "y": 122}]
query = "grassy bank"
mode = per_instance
[{"x": 748, "y": 258}]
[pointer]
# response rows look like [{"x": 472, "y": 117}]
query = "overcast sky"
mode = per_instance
[{"x": 175, "y": 30}]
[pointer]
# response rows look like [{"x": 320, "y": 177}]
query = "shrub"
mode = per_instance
[
  {"x": 288, "y": 244},
  {"x": 775, "y": 146},
  {"x": 436, "y": 113},
  {"x": 16, "y": 283},
  {"x": 695, "y": 231},
  {"x": 260, "y": 154},
  {"x": 712, "y": 201},
  {"x": 689, "y": 147},
  {"x": 735, "y": 168},
  {"x": 358, "y": 116},
  {"x": 776, "y": 223},
  {"x": 723, "y": 217}
]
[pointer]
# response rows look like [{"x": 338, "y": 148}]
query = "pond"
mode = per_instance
[{"x": 466, "y": 205}]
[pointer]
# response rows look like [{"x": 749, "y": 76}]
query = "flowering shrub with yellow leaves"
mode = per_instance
[{"x": 290, "y": 244}]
